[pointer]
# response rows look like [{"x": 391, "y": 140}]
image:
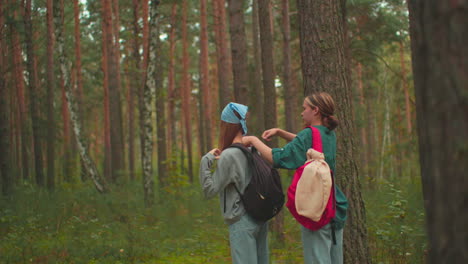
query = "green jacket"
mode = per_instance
[{"x": 293, "y": 156}]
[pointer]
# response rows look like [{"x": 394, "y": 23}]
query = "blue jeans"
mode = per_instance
[
  {"x": 248, "y": 240},
  {"x": 318, "y": 246}
]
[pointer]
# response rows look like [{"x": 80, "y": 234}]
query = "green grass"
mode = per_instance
[{"x": 75, "y": 224}]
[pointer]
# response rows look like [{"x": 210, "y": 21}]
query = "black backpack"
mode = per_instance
[{"x": 263, "y": 197}]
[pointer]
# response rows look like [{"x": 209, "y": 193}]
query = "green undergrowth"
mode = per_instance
[{"x": 75, "y": 224}]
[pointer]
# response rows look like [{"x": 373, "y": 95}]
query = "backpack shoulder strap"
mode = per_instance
[{"x": 316, "y": 139}]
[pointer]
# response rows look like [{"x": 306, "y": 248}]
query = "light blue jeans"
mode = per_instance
[
  {"x": 318, "y": 246},
  {"x": 248, "y": 241}
]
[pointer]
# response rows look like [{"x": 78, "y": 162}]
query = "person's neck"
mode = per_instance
[
  {"x": 237, "y": 139},
  {"x": 316, "y": 123}
]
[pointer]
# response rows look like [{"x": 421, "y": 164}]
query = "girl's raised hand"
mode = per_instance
[
  {"x": 268, "y": 134},
  {"x": 215, "y": 152}
]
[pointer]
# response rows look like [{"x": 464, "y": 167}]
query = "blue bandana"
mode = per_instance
[{"x": 229, "y": 116}]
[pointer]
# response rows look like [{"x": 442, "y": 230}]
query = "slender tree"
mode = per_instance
[
  {"x": 204, "y": 77},
  {"x": 33, "y": 95},
  {"x": 238, "y": 51},
  {"x": 186, "y": 95},
  {"x": 289, "y": 91},
  {"x": 324, "y": 69},
  {"x": 171, "y": 128},
  {"x": 149, "y": 90},
  {"x": 439, "y": 37},
  {"x": 105, "y": 70},
  {"x": 64, "y": 64},
  {"x": 222, "y": 53}
]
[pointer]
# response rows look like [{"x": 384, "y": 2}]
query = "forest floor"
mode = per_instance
[{"x": 75, "y": 224}]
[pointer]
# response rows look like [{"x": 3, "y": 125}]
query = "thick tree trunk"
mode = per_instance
[
  {"x": 439, "y": 37},
  {"x": 115, "y": 108},
  {"x": 222, "y": 53},
  {"x": 33, "y": 95},
  {"x": 19, "y": 81},
  {"x": 72, "y": 108},
  {"x": 5, "y": 141},
  {"x": 149, "y": 92},
  {"x": 324, "y": 69},
  {"x": 186, "y": 96},
  {"x": 238, "y": 51}
]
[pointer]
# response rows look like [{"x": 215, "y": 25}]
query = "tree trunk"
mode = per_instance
[
  {"x": 171, "y": 128},
  {"x": 105, "y": 70},
  {"x": 204, "y": 78},
  {"x": 324, "y": 69},
  {"x": 67, "y": 170},
  {"x": 160, "y": 97},
  {"x": 222, "y": 53},
  {"x": 33, "y": 95},
  {"x": 144, "y": 68},
  {"x": 19, "y": 80},
  {"x": 5, "y": 142},
  {"x": 74, "y": 115},
  {"x": 289, "y": 90},
  {"x": 256, "y": 106},
  {"x": 79, "y": 78},
  {"x": 405, "y": 89},
  {"x": 238, "y": 51},
  {"x": 186, "y": 97},
  {"x": 115, "y": 108},
  {"x": 136, "y": 82},
  {"x": 149, "y": 92},
  {"x": 439, "y": 37}
]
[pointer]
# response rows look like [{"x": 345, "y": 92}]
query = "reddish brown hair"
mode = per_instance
[{"x": 326, "y": 106}]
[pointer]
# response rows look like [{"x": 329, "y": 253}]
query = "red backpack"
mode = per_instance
[{"x": 330, "y": 209}]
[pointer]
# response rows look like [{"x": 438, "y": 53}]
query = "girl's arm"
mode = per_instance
[
  {"x": 268, "y": 134},
  {"x": 264, "y": 150}
]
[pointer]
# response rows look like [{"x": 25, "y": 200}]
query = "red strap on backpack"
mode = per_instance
[{"x": 330, "y": 209}]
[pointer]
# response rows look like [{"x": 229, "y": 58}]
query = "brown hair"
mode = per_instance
[
  {"x": 228, "y": 133},
  {"x": 326, "y": 106}
]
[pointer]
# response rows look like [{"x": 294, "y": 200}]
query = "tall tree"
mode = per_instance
[
  {"x": 204, "y": 78},
  {"x": 105, "y": 70},
  {"x": 64, "y": 64},
  {"x": 268, "y": 73},
  {"x": 19, "y": 81},
  {"x": 115, "y": 108},
  {"x": 439, "y": 37},
  {"x": 222, "y": 53},
  {"x": 289, "y": 91},
  {"x": 256, "y": 104},
  {"x": 33, "y": 94},
  {"x": 238, "y": 50},
  {"x": 79, "y": 78},
  {"x": 5, "y": 159},
  {"x": 324, "y": 69},
  {"x": 171, "y": 128},
  {"x": 186, "y": 87},
  {"x": 148, "y": 98},
  {"x": 160, "y": 98}
]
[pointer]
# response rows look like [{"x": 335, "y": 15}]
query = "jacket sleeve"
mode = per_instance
[
  {"x": 293, "y": 154},
  {"x": 213, "y": 180}
]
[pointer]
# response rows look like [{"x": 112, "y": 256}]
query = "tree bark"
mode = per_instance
[
  {"x": 171, "y": 128},
  {"x": 33, "y": 95},
  {"x": 439, "y": 37},
  {"x": 105, "y": 70},
  {"x": 409, "y": 127},
  {"x": 19, "y": 81},
  {"x": 324, "y": 69},
  {"x": 5, "y": 142},
  {"x": 222, "y": 53},
  {"x": 72, "y": 108},
  {"x": 256, "y": 107},
  {"x": 186, "y": 97},
  {"x": 204, "y": 78},
  {"x": 290, "y": 107},
  {"x": 160, "y": 97},
  {"x": 238, "y": 51},
  {"x": 149, "y": 92}
]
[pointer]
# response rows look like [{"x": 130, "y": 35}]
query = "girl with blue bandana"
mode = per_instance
[{"x": 220, "y": 171}]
